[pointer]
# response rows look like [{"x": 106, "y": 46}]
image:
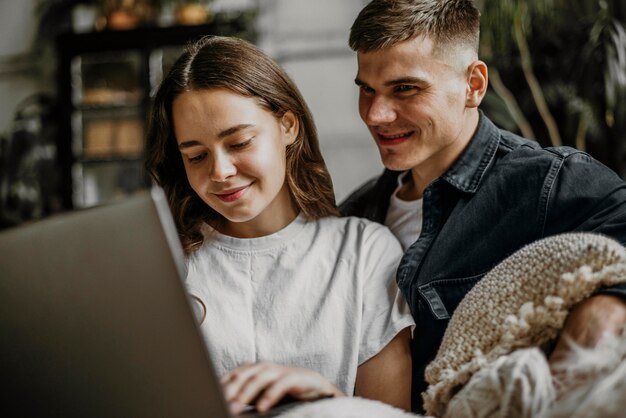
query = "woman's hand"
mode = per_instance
[{"x": 267, "y": 383}]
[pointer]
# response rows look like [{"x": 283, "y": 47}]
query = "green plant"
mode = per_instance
[{"x": 558, "y": 72}]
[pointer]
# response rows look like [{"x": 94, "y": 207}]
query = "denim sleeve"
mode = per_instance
[
  {"x": 356, "y": 203},
  {"x": 371, "y": 200},
  {"x": 588, "y": 196}
]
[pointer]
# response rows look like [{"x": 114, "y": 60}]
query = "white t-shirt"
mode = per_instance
[
  {"x": 404, "y": 217},
  {"x": 317, "y": 294}
]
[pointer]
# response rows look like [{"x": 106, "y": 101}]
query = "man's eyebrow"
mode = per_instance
[
  {"x": 223, "y": 134},
  {"x": 405, "y": 80},
  {"x": 398, "y": 81}
]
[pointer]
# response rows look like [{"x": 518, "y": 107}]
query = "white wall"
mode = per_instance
[
  {"x": 309, "y": 38},
  {"x": 19, "y": 75}
]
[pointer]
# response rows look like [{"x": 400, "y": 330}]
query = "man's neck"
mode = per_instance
[{"x": 408, "y": 192}]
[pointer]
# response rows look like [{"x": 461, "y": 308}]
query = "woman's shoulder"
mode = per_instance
[
  {"x": 349, "y": 222},
  {"x": 360, "y": 228}
]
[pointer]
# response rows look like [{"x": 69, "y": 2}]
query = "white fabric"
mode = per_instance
[
  {"x": 516, "y": 385},
  {"x": 343, "y": 407},
  {"x": 317, "y": 294},
  {"x": 404, "y": 217},
  {"x": 587, "y": 382}
]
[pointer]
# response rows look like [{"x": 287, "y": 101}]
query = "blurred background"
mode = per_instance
[{"x": 77, "y": 76}]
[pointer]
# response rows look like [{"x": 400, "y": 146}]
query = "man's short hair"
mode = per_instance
[{"x": 384, "y": 23}]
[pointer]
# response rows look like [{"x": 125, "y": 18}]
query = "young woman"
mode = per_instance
[{"x": 292, "y": 300}]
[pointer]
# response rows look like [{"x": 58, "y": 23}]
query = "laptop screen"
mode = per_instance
[{"x": 94, "y": 319}]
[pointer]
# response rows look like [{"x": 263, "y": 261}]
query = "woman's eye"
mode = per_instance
[
  {"x": 196, "y": 158},
  {"x": 241, "y": 145}
]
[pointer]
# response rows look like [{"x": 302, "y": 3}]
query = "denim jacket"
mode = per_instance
[{"x": 502, "y": 193}]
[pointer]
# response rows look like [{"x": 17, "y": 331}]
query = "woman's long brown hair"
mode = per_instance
[{"x": 214, "y": 62}]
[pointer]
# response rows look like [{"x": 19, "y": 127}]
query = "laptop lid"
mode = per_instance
[{"x": 95, "y": 321}]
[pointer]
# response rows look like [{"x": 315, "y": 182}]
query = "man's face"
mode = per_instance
[{"x": 413, "y": 101}]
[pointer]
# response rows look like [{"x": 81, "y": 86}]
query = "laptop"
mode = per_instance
[{"x": 95, "y": 320}]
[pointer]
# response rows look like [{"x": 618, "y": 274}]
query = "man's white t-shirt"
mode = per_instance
[
  {"x": 317, "y": 294},
  {"x": 404, "y": 217}
]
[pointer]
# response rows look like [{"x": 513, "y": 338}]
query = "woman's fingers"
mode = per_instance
[
  {"x": 273, "y": 394},
  {"x": 269, "y": 383},
  {"x": 246, "y": 383},
  {"x": 258, "y": 383},
  {"x": 234, "y": 381},
  {"x": 300, "y": 383}
]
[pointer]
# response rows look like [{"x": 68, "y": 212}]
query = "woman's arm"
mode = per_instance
[{"x": 387, "y": 376}]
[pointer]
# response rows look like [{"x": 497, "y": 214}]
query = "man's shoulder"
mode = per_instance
[
  {"x": 370, "y": 200},
  {"x": 521, "y": 161},
  {"x": 511, "y": 141},
  {"x": 350, "y": 205},
  {"x": 514, "y": 146}
]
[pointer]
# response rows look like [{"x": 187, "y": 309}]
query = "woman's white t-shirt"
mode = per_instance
[{"x": 317, "y": 294}]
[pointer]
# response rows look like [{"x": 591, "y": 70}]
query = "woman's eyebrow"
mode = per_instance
[
  {"x": 223, "y": 134},
  {"x": 189, "y": 144},
  {"x": 233, "y": 129}
]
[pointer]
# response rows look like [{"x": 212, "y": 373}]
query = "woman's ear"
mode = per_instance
[
  {"x": 289, "y": 125},
  {"x": 477, "y": 82}
]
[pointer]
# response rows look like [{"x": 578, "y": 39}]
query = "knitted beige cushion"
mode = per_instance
[{"x": 522, "y": 302}]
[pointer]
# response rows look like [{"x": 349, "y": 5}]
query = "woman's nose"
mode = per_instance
[{"x": 222, "y": 167}]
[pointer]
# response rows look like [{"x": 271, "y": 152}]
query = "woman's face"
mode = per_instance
[{"x": 234, "y": 152}]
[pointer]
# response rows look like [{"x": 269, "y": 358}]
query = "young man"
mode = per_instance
[{"x": 460, "y": 193}]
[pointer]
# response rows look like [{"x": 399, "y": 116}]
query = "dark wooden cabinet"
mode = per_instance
[{"x": 105, "y": 84}]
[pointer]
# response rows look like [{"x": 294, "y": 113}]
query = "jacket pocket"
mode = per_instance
[{"x": 442, "y": 296}]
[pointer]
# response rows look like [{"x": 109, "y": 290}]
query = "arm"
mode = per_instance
[
  {"x": 387, "y": 376},
  {"x": 587, "y": 196},
  {"x": 589, "y": 321}
]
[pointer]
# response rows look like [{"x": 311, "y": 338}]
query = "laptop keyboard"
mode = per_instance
[{"x": 274, "y": 412}]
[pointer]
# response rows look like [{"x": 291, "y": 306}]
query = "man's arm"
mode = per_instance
[
  {"x": 587, "y": 196},
  {"x": 588, "y": 322}
]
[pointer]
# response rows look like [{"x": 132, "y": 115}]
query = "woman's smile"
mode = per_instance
[{"x": 233, "y": 194}]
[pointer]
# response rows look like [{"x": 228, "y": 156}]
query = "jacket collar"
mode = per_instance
[{"x": 468, "y": 170}]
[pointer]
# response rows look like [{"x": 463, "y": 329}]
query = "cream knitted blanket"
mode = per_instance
[{"x": 522, "y": 302}]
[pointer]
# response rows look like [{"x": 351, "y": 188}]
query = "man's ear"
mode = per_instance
[
  {"x": 477, "y": 81},
  {"x": 289, "y": 125}
]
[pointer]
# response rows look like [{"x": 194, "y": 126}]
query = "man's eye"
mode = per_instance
[
  {"x": 366, "y": 89},
  {"x": 403, "y": 88}
]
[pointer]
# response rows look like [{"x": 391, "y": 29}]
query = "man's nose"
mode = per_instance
[{"x": 380, "y": 111}]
